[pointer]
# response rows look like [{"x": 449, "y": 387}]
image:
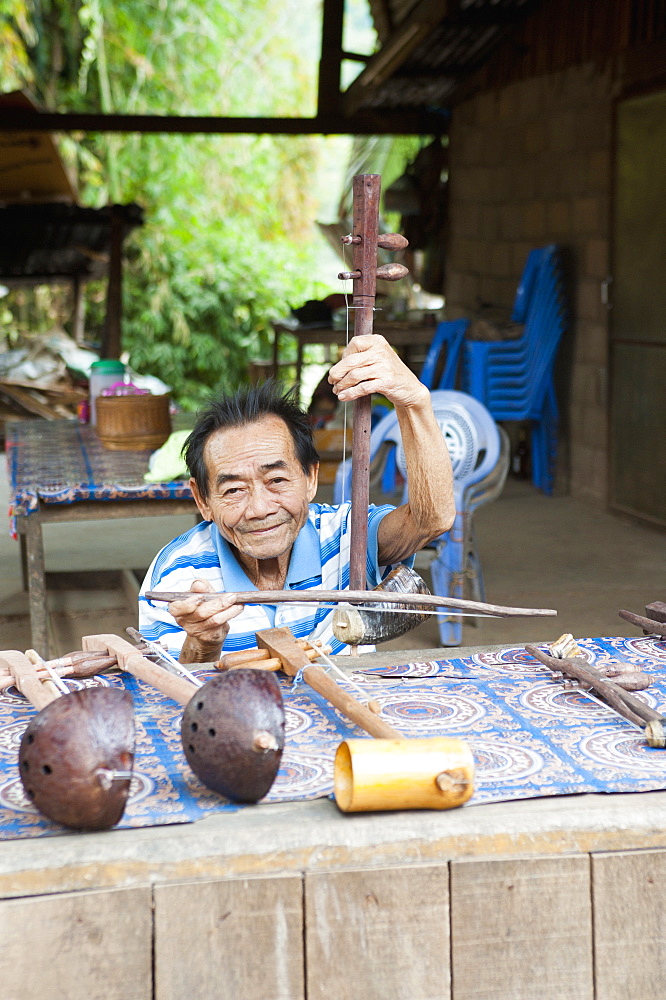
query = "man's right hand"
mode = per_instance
[{"x": 206, "y": 623}]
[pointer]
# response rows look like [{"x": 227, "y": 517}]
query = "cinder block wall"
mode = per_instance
[{"x": 530, "y": 164}]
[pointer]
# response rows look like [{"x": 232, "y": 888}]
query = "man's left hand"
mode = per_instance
[{"x": 370, "y": 365}]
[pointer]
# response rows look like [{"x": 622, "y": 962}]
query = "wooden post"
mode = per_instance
[
  {"x": 78, "y": 309},
  {"x": 114, "y": 293}
]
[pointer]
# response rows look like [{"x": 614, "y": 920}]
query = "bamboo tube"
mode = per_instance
[{"x": 380, "y": 775}]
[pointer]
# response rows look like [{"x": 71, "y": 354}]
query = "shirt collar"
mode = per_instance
[{"x": 305, "y": 561}]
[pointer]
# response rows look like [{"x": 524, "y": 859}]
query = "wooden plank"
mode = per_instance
[
  {"x": 629, "y": 942},
  {"x": 79, "y": 946},
  {"x": 240, "y": 938},
  {"x": 379, "y": 934},
  {"x": 105, "y": 510},
  {"x": 521, "y": 930}
]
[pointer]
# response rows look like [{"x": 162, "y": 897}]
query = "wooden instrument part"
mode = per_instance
[
  {"x": 76, "y": 753},
  {"x": 134, "y": 663},
  {"x": 357, "y": 597},
  {"x": 280, "y": 642},
  {"x": 260, "y": 659},
  {"x": 39, "y": 693},
  {"x": 227, "y": 755},
  {"x": 366, "y": 190},
  {"x": 649, "y": 625},
  {"x": 622, "y": 702}
]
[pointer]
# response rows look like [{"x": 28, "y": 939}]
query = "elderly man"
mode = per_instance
[{"x": 254, "y": 476}]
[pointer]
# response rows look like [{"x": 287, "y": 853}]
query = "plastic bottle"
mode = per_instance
[{"x": 103, "y": 374}]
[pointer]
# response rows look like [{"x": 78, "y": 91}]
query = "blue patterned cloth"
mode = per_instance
[
  {"x": 530, "y": 737},
  {"x": 62, "y": 462}
]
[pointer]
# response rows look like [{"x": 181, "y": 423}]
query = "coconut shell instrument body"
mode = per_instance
[
  {"x": 233, "y": 733},
  {"x": 76, "y": 754},
  {"x": 236, "y": 747}
]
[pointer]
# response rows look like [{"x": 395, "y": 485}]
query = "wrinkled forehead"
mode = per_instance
[{"x": 247, "y": 448}]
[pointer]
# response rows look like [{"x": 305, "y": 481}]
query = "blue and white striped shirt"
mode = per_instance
[{"x": 319, "y": 560}]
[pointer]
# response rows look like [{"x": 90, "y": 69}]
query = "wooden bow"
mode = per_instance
[{"x": 352, "y": 597}]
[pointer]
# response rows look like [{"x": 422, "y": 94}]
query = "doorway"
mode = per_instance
[{"x": 638, "y": 319}]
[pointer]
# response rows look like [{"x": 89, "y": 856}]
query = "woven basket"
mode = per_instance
[{"x": 133, "y": 423}]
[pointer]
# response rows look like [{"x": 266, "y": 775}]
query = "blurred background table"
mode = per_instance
[
  {"x": 59, "y": 471},
  {"x": 410, "y": 340}
]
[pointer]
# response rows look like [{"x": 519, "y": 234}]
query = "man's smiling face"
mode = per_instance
[{"x": 258, "y": 494}]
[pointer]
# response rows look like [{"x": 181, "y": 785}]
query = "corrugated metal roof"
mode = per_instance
[
  {"x": 41, "y": 243},
  {"x": 430, "y": 47}
]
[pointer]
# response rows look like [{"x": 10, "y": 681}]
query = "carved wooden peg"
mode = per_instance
[
  {"x": 391, "y": 272},
  {"x": 392, "y": 241},
  {"x": 387, "y": 241}
]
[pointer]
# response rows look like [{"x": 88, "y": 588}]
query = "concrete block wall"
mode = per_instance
[{"x": 530, "y": 164}]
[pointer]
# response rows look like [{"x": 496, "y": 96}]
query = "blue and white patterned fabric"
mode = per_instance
[
  {"x": 530, "y": 737},
  {"x": 319, "y": 560}
]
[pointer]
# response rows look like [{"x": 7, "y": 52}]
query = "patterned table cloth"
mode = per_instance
[
  {"x": 530, "y": 737},
  {"x": 62, "y": 462}
]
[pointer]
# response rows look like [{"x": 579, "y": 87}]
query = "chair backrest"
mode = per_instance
[
  {"x": 441, "y": 362},
  {"x": 519, "y": 370},
  {"x": 526, "y": 285},
  {"x": 472, "y": 438}
]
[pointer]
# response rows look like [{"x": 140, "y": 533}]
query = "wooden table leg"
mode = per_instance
[
  {"x": 24, "y": 562},
  {"x": 30, "y": 527}
]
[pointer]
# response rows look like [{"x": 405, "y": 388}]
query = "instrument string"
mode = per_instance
[
  {"x": 332, "y": 667},
  {"x": 344, "y": 409},
  {"x": 394, "y": 609}
]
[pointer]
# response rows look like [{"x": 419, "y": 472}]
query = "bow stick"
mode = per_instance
[
  {"x": 351, "y": 597},
  {"x": 365, "y": 241}
]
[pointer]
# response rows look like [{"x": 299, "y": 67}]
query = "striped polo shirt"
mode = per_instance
[{"x": 319, "y": 560}]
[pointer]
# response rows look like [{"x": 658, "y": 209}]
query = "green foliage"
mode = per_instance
[
  {"x": 228, "y": 239},
  {"x": 16, "y": 33}
]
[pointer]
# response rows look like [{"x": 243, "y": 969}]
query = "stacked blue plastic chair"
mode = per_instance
[
  {"x": 444, "y": 353},
  {"x": 514, "y": 378},
  {"x": 480, "y": 458}
]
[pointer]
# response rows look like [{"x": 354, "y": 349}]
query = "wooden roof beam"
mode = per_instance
[
  {"x": 396, "y": 50},
  {"x": 390, "y": 121},
  {"x": 329, "y": 96}
]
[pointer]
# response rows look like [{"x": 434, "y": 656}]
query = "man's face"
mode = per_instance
[{"x": 258, "y": 494}]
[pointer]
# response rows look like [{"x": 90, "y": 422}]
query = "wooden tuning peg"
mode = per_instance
[
  {"x": 392, "y": 272},
  {"x": 392, "y": 241}
]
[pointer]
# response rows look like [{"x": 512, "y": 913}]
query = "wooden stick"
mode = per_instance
[
  {"x": 231, "y": 661},
  {"x": 622, "y": 702},
  {"x": 648, "y": 624},
  {"x": 262, "y": 663},
  {"x": 353, "y": 597}
]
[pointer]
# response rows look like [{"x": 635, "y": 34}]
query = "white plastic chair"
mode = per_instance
[{"x": 480, "y": 452}]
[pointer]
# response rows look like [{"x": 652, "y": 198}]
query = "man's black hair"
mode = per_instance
[{"x": 245, "y": 406}]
